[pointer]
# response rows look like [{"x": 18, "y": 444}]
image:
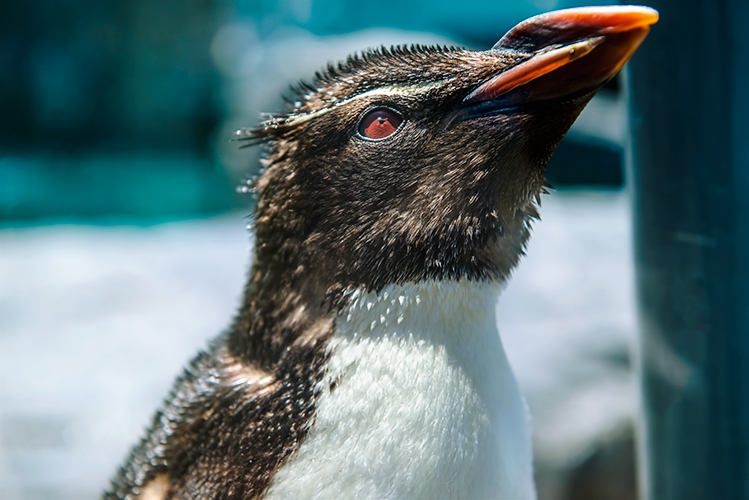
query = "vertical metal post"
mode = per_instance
[{"x": 689, "y": 160}]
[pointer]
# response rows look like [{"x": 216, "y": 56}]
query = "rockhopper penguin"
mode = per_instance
[{"x": 397, "y": 198}]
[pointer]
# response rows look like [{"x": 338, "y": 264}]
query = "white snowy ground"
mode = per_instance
[{"x": 95, "y": 322}]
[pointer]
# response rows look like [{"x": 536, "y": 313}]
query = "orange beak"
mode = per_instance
[{"x": 572, "y": 51}]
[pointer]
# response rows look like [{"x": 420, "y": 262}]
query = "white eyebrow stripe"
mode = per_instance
[{"x": 388, "y": 90}]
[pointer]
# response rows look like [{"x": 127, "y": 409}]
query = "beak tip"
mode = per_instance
[
  {"x": 649, "y": 14},
  {"x": 627, "y": 17}
]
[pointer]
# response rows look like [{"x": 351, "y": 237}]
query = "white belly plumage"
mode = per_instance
[{"x": 418, "y": 401}]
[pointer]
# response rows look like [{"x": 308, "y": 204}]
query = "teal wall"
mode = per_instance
[{"x": 116, "y": 111}]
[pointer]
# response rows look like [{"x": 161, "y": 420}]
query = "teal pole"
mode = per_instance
[{"x": 689, "y": 166}]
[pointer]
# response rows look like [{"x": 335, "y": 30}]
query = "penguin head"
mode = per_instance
[{"x": 426, "y": 163}]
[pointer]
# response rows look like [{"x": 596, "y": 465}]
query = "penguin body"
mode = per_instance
[
  {"x": 416, "y": 380},
  {"x": 397, "y": 198}
]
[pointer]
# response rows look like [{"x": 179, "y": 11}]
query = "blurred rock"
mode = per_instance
[{"x": 609, "y": 472}]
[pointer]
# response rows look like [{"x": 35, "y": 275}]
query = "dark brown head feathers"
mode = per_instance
[
  {"x": 359, "y": 73},
  {"x": 448, "y": 196}
]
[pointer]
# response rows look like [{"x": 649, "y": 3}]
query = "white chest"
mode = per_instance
[{"x": 418, "y": 401}]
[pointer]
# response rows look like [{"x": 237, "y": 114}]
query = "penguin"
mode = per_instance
[{"x": 397, "y": 197}]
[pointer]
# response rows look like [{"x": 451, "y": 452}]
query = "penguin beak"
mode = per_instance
[{"x": 572, "y": 52}]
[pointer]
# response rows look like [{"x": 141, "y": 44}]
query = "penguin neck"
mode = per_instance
[
  {"x": 443, "y": 312},
  {"x": 418, "y": 401},
  {"x": 453, "y": 321}
]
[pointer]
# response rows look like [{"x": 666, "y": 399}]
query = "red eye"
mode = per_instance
[{"x": 379, "y": 123}]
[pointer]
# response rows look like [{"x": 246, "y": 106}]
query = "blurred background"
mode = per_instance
[{"x": 123, "y": 239}]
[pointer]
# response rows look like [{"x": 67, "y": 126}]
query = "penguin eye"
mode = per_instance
[{"x": 379, "y": 123}]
